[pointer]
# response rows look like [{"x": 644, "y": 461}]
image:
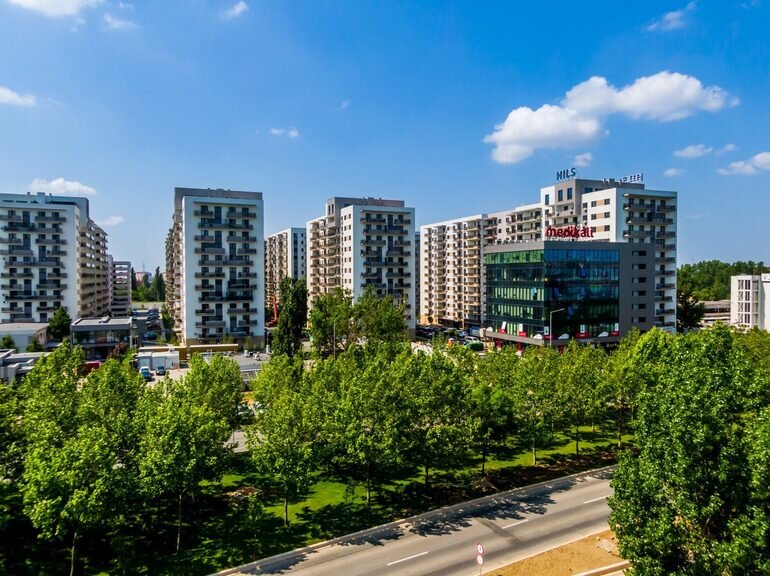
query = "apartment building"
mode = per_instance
[
  {"x": 215, "y": 271},
  {"x": 285, "y": 257},
  {"x": 451, "y": 269},
  {"x": 53, "y": 255},
  {"x": 750, "y": 301},
  {"x": 120, "y": 287},
  {"x": 362, "y": 242},
  {"x": 609, "y": 210}
]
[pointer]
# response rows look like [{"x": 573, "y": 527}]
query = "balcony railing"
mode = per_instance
[{"x": 56, "y": 218}]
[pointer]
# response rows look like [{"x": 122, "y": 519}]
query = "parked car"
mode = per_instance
[
  {"x": 160, "y": 371},
  {"x": 146, "y": 374}
]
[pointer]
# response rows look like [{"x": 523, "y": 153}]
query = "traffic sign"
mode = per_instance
[
  {"x": 480, "y": 549},
  {"x": 479, "y": 559}
]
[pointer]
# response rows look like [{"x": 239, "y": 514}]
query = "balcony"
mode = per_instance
[
  {"x": 665, "y": 235},
  {"x": 8, "y": 275},
  {"x": 19, "y": 226},
  {"x": 667, "y": 260},
  {"x": 236, "y": 238},
  {"x": 31, "y": 295},
  {"x": 240, "y": 285},
  {"x": 208, "y": 238},
  {"x": 36, "y": 262},
  {"x": 21, "y": 251},
  {"x": 55, "y": 219},
  {"x": 636, "y": 234},
  {"x": 368, "y": 219},
  {"x": 209, "y": 274},
  {"x": 46, "y": 307},
  {"x": 247, "y": 323},
  {"x": 240, "y": 214},
  {"x": 371, "y": 275},
  {"x": 373, "y": 242},
  {"x": 208, "y": 312},
  {"x": 51, "y": 241},
  {"x": 246, "y": 275},
  {"x": 208, "y": 288},
  {"x": 242, "y": 251},
  {"x": 399, "y": 274},
  {"x": 209, "y": 250},
  {"x": 666, "y": 208},
  {"x": 665, "y": 272},
  {"x": 665, "y": 311},
  {"x": 401, "y": 243},
  {"x": 375, "y": 262},
  {"x": 51, "y": 285},
  {"x": 211, "y": 323},
  {"x": 222, "y": 225},
  {"x": 397, "y": 252},
  {"x": 402, "y": 285}
]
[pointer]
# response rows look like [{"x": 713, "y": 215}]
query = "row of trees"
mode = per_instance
[
  {"x": 710, "y": 279},
  {"x": 101, "y": 454},
  {"x": 377, "y": 409},
  {"x": 148, "y": 290}
]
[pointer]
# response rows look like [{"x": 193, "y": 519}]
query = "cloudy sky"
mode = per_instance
[{"x": 456, "y": 107}]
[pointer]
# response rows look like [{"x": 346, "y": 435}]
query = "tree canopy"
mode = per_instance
[
  {"x": 710, "y": 279},
  {"x": 292, "y": 317}
]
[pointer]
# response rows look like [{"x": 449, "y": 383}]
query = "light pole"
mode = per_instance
[{"x": 550, "y": 325}]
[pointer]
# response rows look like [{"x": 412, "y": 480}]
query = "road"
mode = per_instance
[{"x": 510, "y": 526}]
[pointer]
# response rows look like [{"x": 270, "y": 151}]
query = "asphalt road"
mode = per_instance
[{"x": 510, "y": 527}]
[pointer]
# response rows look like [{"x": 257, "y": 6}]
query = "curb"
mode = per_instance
[
  {"x": 469, "y": 504},
  {"x": 606, "y": 569}
]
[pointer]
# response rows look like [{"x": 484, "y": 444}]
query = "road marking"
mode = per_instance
[
  {"x": 596, "y": 499},
  {"x": 407, "y": 558},
  {"x": 515, "y": 524}
]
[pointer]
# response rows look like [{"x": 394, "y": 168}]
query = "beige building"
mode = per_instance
[
  {"x": 53, "y": 255},
  {"x": 362, "y": 242},
  {"x": 215, "y": 266},
  {"x": 285, "y": 257}
]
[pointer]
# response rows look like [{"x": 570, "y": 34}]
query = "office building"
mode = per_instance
[
  {"x": 99, "y": 337},
  {"x": 715, "y": 311},
  {"x": 573, "y": 210},
  {"x": 749, "y": 306},
  {"x": 591, "y": 291},
  {"x": 53, "y": 255},
  {"x": 215, "y": 266},
  {"x": 362, "y": 242},
  {"x": 285, "y": 257}
]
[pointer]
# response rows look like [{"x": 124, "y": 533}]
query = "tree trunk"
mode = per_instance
[
  {"x": 484, "y": 458},
  {"x": 577, "y": 439},
  {"x": 72, "y": 553},
  {"x": 534, "y": 452},
  {"x": 426, "y": 477},
  {"x": 179, "y": 523},
  {"x": 368, "y": 483},
  {"x": 620, "y": 425},
  {"x": 286, "y": 507}
]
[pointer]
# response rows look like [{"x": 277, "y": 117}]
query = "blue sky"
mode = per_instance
[{"x": 455, "y": 107}]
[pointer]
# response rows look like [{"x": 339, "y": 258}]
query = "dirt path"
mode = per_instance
[{"x": 586, "y": 554}]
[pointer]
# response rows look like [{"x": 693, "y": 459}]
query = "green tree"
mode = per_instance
[
  {"x": 710, "y": 280},
  {"x": 218, "y": 384},
  {"x": 11, "y": 451},
  {"x": 182, "y": 444},
  {"x": 438, "y": 409},
  {"x": 59, "y": 324},
  {"x": 157, "y": 288},
  {"x": 7, "y": 343},
  {"x": 379, "y": 317},
  {"x": 79, "y": 463},
  {"x": 535, "y": 394},
  {"x": 283, "y": 440},
  {"x": 621, "y": 379},
  {"x": 292, "y": 317},
  {"x": 689, "y": 312},
  {"x": 365, "y": 427},
  {"x": 34, "y": 346},
  {"x": 679, "y": 501},
  {"x": 332, "y": 322}
]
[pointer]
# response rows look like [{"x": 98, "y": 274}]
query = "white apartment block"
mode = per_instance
[
  {"x": 285, "y": 257},
  {"x": 362, "y": 242},
  {"x": 215, "y": 272},
  {"x": 120, "y": 287},
  {"x": 749, "y": 301},
  {"x": 451, "y": 267},
  {"x": 53, "y": 255}
]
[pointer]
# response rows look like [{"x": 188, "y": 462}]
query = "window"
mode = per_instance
[
  {"x": 547, "y": 198},
  {"x": 561, "y": 195},
  {"x": 587, "y": 189},
  {"x": 593, "y": 203},
  {"x": 606, "y": 201},
  {"x": 569, "y": 193},
  {"x": 639, "y": 253}
]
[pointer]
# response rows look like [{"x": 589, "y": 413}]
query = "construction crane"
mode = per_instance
[{"x": 274, "y": 321}]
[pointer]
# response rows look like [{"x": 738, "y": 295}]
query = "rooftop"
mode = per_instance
[{"x": 105, "y": 322}]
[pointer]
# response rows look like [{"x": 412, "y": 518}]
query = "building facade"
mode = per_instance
[
  {"x": 590, "y": 291},
  {"x": 749, "y": 294},
  {"x": 452, "y": 276},
  {"x": 215, "y": 265},
  {"x": 285, "y": 257},
  {"x": 362, "y": 242},
  {"x": 53, "y": 255},
  {"x": 120, "y": 287}
]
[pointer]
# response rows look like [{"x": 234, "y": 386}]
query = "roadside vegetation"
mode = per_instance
[{"x": 103, "y": 474}]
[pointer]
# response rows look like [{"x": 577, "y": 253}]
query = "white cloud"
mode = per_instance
[
  {"x": 110, "y": 221},
  {"x": 60, "y": 186},
  {"x": 672, "y": 20},
  {"x": 665, "y": 96},
  {"x": 112, "y": 23},
  {"x": 235, "y": 10},
  {"x": 583, "y": 160},
  {"x": 126, "y": 6},
  {"x": 55, "y": 8},
  {"x": 693, "y": 151},
  {"x": 759, "y": 161},
  {"x": 288, "y": 132},
  {"x": 726, "y": 148},
  {"x": 343, "y": 105},
  {"x": 8, "y": 96},
  {"x": 672, "y": 172}
]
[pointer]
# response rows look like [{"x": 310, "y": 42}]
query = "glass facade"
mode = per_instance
[{"x": 523, "y": 287}]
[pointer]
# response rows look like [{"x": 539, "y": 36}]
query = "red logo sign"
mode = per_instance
[{"x": 569, "y": 232}]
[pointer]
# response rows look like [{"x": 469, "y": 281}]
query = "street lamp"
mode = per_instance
[{"x": 550, "y": 324}]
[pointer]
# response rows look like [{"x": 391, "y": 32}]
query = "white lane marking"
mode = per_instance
[
  {"x": 515, "y": 524},
  {"x": 596, "y": 499},
  {"x": 407, "y": 558}
]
